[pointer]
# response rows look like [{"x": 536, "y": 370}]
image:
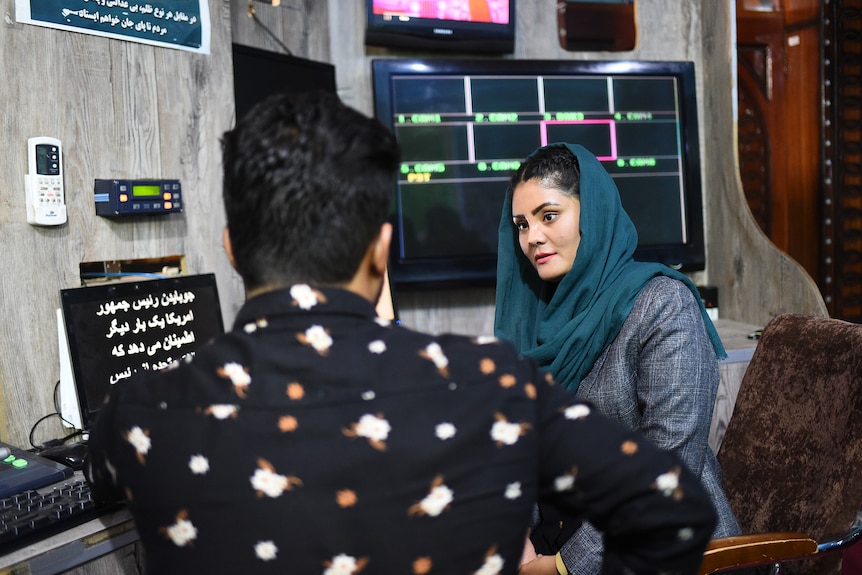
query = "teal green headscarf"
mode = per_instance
[{"x": 567, "y": 333}]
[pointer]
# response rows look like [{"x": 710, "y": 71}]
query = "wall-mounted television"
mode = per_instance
[
  {"x": 464, "y": 126},
  {"x": 455, "y": 25}
]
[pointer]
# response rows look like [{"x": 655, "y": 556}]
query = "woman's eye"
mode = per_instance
[
  {"x": 549, "y": 216},
  {"x": 520, "y": 226}
]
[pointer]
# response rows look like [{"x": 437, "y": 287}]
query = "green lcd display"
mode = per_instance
[{"x": 146, "y": 191}]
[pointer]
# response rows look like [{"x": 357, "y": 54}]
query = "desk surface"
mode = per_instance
[{"x": 734, "y": 336}]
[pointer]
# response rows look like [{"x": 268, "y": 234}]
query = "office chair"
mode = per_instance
[{"x": 792, "y": 454}]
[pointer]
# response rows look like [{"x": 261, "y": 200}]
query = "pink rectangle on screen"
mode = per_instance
[{"x": 611, "y": 128}]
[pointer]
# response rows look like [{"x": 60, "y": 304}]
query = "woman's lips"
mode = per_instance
[{"x": 543, "y": 258}]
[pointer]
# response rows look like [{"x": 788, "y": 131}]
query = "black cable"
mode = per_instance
[
  {"x": 253, "y": 16},
  {"x": 56, "y": 413},
  {"x": 268, "y": 31}
]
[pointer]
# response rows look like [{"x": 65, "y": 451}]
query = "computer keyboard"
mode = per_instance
[
  {"x": 39, "y": 498},
  {"x": 35, "y": 514}
]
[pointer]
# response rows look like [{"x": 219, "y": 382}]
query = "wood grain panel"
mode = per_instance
[{"x": 121, "y": 109}]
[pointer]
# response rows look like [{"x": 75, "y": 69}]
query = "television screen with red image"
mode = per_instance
[{"x": 454, "y": 25}]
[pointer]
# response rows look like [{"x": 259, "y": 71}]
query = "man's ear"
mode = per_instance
[
  {"x": 381, "y": 249},
  {"x": 228, "y": 247}
]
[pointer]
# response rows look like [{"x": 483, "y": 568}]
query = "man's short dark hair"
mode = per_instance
[{"x": 307, "y": 184}]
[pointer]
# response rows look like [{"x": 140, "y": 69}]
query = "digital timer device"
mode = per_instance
[{"x": 137, "y": 197}]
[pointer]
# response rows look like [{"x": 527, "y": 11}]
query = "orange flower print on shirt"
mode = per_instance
[
  {"x": 436, "y": 502},
  {"x": 266, "y": 481},
  {"x": 629, "y": 447},
  {"x": 507, "y": 380},
  {"x": 287, "y": 423},
  {"x": 295, "y": 391},
  {"x": 346, "y": 498},
  {"x": 487, "y": 366},
  {"x": 422, "y": 566}
]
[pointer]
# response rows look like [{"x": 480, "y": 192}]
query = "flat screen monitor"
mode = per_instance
[
  {"x": 260, "y": 73},
  {"x": 464, "y": 127},
  {"x": 115, "y": 330},
  {"x": 454, "y": 25}
]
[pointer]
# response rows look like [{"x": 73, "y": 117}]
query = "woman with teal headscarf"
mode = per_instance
[{"x": 631, "y": 337}]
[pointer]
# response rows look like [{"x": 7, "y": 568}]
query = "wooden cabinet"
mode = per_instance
[{"x": 780, "y": 121}]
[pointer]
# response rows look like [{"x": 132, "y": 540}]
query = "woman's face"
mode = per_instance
[{"x": 549, "y": 228}]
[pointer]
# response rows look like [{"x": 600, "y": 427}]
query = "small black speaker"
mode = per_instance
[{"x": 597, "y": 26}]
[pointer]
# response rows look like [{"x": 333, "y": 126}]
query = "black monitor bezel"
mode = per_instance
[
  {"x": 469, "y": 271},
  {"x": 71, "y": 297},
  {"x": 278, "y": 65}
]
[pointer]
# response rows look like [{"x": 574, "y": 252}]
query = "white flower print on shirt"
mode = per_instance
[
  {"x": 377, "y": 346},
  {"x": 253, "y": 326},
  {"x": 685, "y": 534},
  {"x": 576, "y": 411},
  {"x": 266, "y": 481},
  {"x": 305, "y": 296},
  {"x": 493, "y": 563},
  {"x": 445, "y": 431},
  {"x": 434, "y": 352},
  {"x": 182, "y": 532},
  {"x": 343, "y": 564},
  {"x": 199, "y": 464},
  {"x": 566, "y": 481},
  {"x": 437, "y": 500},
  {"x": 382, "y": 321},
  {"x": 222, "y": 410},
  {"x": 513, "y": 490},
  {"x": 373, "y": 427},
  {"x": 238, "y": 376},
  {"x": 668, "y": 484},
  {"x": 317, "y": 337},
  {"x": 506, "y": 433},
  {"x": 140, "y": 440},
  {"x": 265, "y": 550},
  {"x": 486, "y": 339}
]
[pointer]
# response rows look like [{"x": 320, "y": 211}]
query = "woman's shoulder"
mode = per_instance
[
  {"x": 665, "y": 289},
  {"x": 660, "y": 300}
]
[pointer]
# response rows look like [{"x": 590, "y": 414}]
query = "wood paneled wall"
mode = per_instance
[
  {"x": 121, "y": 110},
  {"x": 130, "y": 110}
]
